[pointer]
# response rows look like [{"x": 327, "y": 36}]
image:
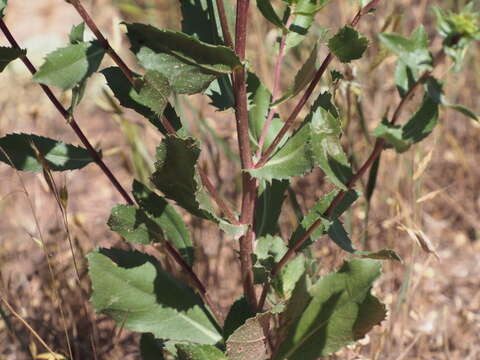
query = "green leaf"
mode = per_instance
[
  {"x": 420, "y": 125},
  {"x": 198, "y": 19},
  {"x": 77, "y": 33},
  {"x": 316, "y": 143},
  {"x": 220, "y": 92},
  {"x": 130, "y": 98},
  {"x": 302, "y": 78},
  {"x": 176, "y": 176},
  {"x": 259, "y": 98},
  {"x": 134, "y": 225},
  {"x": 151, "y": 348},
  {"x": 20, "y": 151},
  {"x": 68, "y": 66},
  {"x": 237, "y": 315},
  {"x": 434, "y": 89},
  {"x": 189, "y": 64},
  {"x": 268, "y": 207},
  {"x": 268, "y": 252},
  {"x": 248, "y": 342},
  {"x": 339, "y": 236},
  {"x": 154, "y": 90},
  {"x": 199, "y": 352},
  {"x": 133, "y": 289},
  {"x": 169, "y": 220},
  {"x": 341, "y": 310},
  {"x": 347, "y": 44},
  {"x": 284, "y": 282},
  {"x": 304, "y": 12},
  {"x": 317, "y": 212},
  {"x": 7, "y": 55},
  {"x": 266, "y": 9},
  {"x": 3, "y": 5},
  {"x": 412, "y": 51}
]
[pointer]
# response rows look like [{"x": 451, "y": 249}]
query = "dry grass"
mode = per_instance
[{"x": 434, "y": 304}]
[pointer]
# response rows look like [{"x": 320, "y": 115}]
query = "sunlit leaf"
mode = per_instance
[
  {"x": 133, "y": 289},
  {"x": 348, "y": 45},
  {"x": 199, "y": 352},
  {"x": 66, "y": 67},
  {"x": 340, "y": 311}
]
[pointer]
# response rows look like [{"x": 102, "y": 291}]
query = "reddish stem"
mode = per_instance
[
  {"x": 289, "y": 123},
  {"x": 224, "y": 23}
]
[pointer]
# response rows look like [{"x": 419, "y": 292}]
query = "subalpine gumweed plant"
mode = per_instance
[{"x": 287, "y": 311}]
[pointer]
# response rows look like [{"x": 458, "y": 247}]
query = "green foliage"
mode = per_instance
[
  {"x": 28, "y": 152},
  {"x": 267, "y": 10},
  {"x": 190, "y": 65},
  {"x": 339, "y": 310},
  {"x": 68, "y": 66},
  {"x": 303, "y": 11},
  {"x": 316, "y": 143},
  {"x": 348, "y": 45},
  {"x": 7, "y": 55},
  {"x": 199, "y": 352},
  {"x": 269, "y": 206},
  {"x": 133, "y": 289},
  {"x": 3, "y": 5}
]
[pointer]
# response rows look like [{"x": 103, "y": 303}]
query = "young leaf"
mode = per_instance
[
  {"x": 412, "y": 51},
  {"x": 68, "y": 66},
  {"x": 166, "y": 217},
  {"x": 302, "y": 78},
  {"x": 268, "y": 12},
  {"x": 284, "y": 282},
  {"x": 268, "y": 207},
  {"x": 348, "y": 45},
  {"x": 20, "y": 151},
  {"x": 304, "y": 12},
  {"x": 248, "y": 342},
  {"x": 7, "y": 55},
  {"x": 316, "y": 143},
  {"x": 3, "y": 5},
  {"x": 130, "y": 98},
  {"x": 77, "y": 33},
  {"x": 341, "y": 310},
  {"x": 132, "y": 288},
  {"x": 268, "y": 252},
  {"x": 189, "y": 64},
  {"x": 199, "y": 352}
]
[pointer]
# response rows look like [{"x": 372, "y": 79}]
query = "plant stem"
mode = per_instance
[
  {"x": 69, "y": 119},
  {"x": 93, "y": 27},
  {"x": 224, "y": 23},
  {"x": 131, "y": 78},
  {"x": 308, "y": 92},
  {"x": 249, "y": 192},
  {"x": 377, "y": 150},
  {"x": 276, "y": 88}
]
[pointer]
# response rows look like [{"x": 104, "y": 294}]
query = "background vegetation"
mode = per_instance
[{"x": 430, "y": 196}]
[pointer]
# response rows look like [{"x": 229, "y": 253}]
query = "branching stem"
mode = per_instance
[{"x": 308, "y": 92}]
